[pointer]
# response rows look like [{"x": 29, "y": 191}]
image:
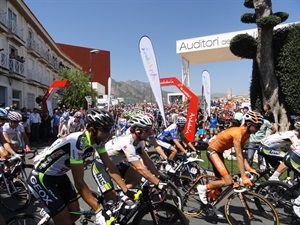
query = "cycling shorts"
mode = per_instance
[
  {"x": 165, "y": 146},
  {"x": 55, "y": 192},
  {"x": 217, "y": 161},
  {"x": 292, "y": 161},
  {"x": 271, "y": 155},
  {"x": 101, "y": 177}
]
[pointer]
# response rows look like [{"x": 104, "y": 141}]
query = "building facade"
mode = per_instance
[
  {"x": 94, "y": 62},
  {"x": 30, "y": 60}
]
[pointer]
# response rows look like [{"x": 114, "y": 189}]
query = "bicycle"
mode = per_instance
[
  {"x": 147, "y": 211},
  {"x": 281, "y": 195},
  {"x": 14, "y": 192},
  {"x": 183, "y": 165},
  {"x": 239, "y": 207}
]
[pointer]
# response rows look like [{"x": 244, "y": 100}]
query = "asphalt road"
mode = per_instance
[{"x": 33, "y": 209}]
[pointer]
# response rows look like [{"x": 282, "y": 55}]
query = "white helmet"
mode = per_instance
[{"x": 141, "y": 121}]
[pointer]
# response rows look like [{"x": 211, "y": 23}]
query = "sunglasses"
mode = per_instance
[{"x": 149, "y": 130}]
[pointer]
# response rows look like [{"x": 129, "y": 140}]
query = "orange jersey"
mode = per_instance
[{"x": 227, "y": 138}]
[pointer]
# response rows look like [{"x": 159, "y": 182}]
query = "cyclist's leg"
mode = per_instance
[
  {"x": 167, "y": 149},
  {"x": 132, "y": 177},
  {"x": 220, "y": 170},
  {"x": 103, "y": 181},
  {"x": 55, "y": 193},
  {"x": 292, "y": 161}
]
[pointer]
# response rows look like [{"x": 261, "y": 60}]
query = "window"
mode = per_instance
[
  {"x": 12, "y": 20},
  {"x": 30, "y": 101},
  {"x": 16, "y": 99},
  {"x": 13, "y": 52}
]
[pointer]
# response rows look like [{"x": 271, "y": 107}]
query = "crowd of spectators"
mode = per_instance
[{"x": 42, "y": 127}]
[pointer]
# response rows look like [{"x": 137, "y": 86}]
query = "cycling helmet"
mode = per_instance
[
  {"x": 99, "y": 118},
  {"x": 150, "y": 116},
  {"x": 141, "y": 121},
  {"x": 254, "y": 117},
  {"x": 14, "y": 116},
  {"x": 66, "y": 116},
  {"x": 78, "y": 114},
  {"x": 297, "y": 125},
  {"x": 181, "y": 120},
  {"x": 3, "y": 113}
]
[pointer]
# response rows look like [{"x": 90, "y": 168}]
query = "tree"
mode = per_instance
[
  {"x": 262, "y": 53},
  {"x": 79, "y": 87}
]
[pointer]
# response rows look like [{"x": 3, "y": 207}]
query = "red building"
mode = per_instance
[{"x": 99, "y": 61}]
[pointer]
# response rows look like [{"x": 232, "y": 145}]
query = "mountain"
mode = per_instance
[
  {"x": 134, "y": 91},
  {"x": 137, "y": 91}
]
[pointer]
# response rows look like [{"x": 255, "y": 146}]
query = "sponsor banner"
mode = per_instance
[
  {"x": 190, "y": 126},
  {"x": 149, "y": 61},
  {"x": 207, "y": 90},
  {"x": 108, "y": 93},
  {"x": 47, "y": 98}
]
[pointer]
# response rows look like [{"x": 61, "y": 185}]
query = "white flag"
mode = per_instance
[
  {"x": 108, "y": 93},
  {"x": 149, "y": 61},
  {"x": 207, "y": 89}
]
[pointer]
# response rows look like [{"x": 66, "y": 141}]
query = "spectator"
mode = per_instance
[
  {"x": 35, "y": 121},
  {"x": 55, "y": 123},
  {"x": 255, "y": 140},
  {"x": 46, "y": 127},
  {"x": 238, "y": 115},
  {"x": 268, "y": 114},
  {"x": 214, "y": 123}
]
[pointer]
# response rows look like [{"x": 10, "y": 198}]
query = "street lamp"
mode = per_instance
[{"x": 94, "y": 51}]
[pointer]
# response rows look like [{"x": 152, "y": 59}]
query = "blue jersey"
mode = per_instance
[{"x": 169, "y": 134}]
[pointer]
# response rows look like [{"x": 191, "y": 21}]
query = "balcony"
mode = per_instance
[
  {"x": 15, "y": 33},
  {"x": 44, "y": 56},
  {"x": 3, "y": 21},
  {"x": 16, "y": 67},
  {"x": 32, "y": 47},
  {"x": 4, "y": 61}
]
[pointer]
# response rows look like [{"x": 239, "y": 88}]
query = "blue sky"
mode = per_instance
[{"x": 118, "y": 25}]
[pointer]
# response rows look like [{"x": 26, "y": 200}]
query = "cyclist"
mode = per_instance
[
  {"x": 171, "y": 136},
  {"x": 292, "y": 161},
  {"x": 75, "y": 123},
  {"x": 232, "y": 137},
  {"x": 49, "y": 181},
  {"x": 5, "y": 147},
  {"x": 14, "y": 133},
  {"x": 275, "y": 146},
  {"x": 128, "y": 154}
]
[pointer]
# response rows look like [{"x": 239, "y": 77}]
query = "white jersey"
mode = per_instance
[
  {"x": 15, "y": 135},
  {"x": 75, "y": 126},
  {"x": 123, "y": 149},
  {"x": 280, "y": 141},
  {"x": 72, "y": 149}
]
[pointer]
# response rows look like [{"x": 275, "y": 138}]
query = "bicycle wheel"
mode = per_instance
[
  {"x": 23, "y": 219},
  {"x": 174, "y": 194},
  {"x": 190, "y": 197},
  {"x": 156, "y": 159},
  {"x": 20, "y": 195},
  {"x": 241, "y": 208},
  {"x": 277, "y": 192},
  {"x": 162, "y": 214}
]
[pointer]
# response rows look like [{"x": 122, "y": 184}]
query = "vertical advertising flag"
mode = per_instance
[
  {"x": 192, "y": 113},
  {"x": 149, "y": 61},
  {"x": 108, "y": 92},
  {"x": 207, "y": 89}
]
